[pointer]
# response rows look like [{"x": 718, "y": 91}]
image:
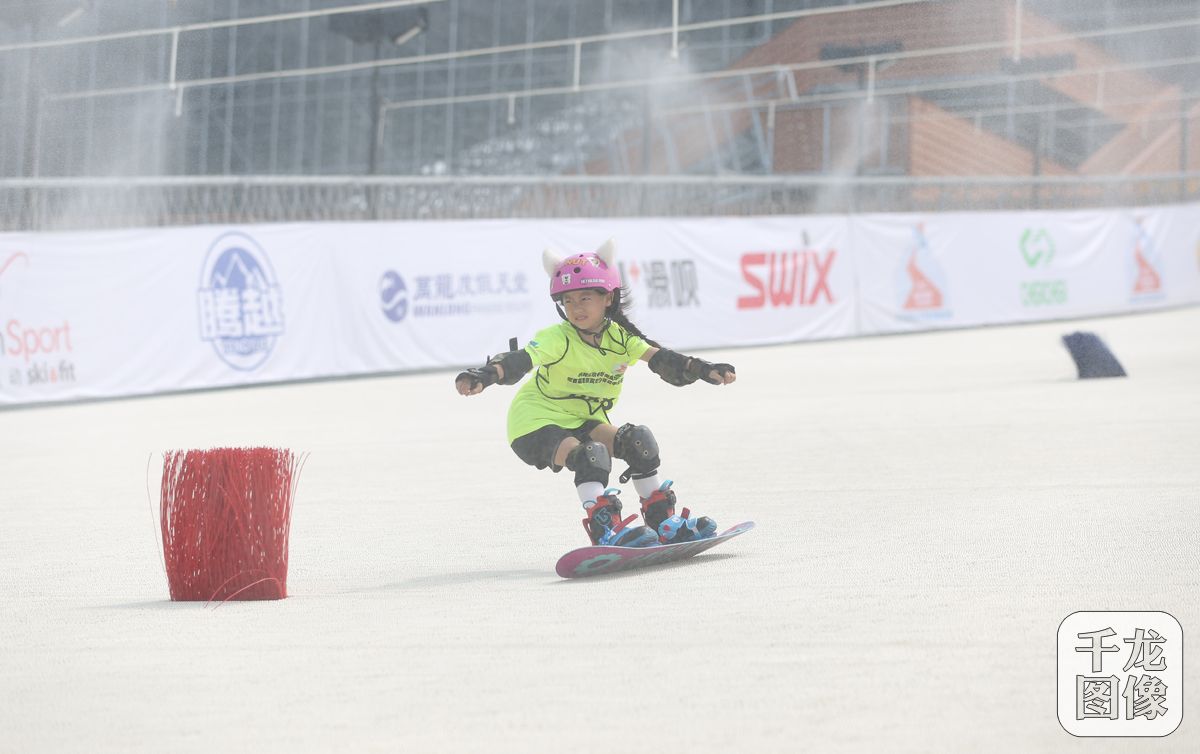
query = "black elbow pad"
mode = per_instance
[
  {"x": 516, "y": 364},
  {"x": 672, "y": 367}
]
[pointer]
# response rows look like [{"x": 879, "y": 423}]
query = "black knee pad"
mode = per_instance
[
  {"x": 636, "y": 446},
  {"x": 591, "y": 462}
]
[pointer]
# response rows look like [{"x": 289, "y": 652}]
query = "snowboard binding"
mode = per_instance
[
  {"x": 658, "y": 510},
  {"x": 605, "y": 526}
]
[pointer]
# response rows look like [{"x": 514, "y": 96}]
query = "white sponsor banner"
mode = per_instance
[
  {"x": 1160, "y": 256},
  {"x": 111, "y": 314},
  {"x": 728, "y": 281},
  {"x": 918, "y": 272},
  {"x": 124, "y": 313},
  {"x": 911, "y": 275},
  {"x": 1058, "y": 265},
  {"x": 106, "y": 314},
  {"x": 797, "y": 283},
  {"x": 423, "y": 295}
]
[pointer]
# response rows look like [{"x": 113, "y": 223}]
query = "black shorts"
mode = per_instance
[{"x": 537, "y": 448}]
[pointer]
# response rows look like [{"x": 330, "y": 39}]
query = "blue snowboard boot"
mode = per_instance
[
  {"x": 605, "y": 526},
  {"x": 659, "y": 512}
]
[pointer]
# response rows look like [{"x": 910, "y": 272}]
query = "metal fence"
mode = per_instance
[
  {"x": 76, "y": 204},
  {"x": 532, "y": 87}
]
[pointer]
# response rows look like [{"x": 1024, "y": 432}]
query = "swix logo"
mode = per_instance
[{"x": 792, "y": 278}]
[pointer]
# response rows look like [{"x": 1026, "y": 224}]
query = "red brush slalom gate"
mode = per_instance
[{"x": 226, "y": 516}]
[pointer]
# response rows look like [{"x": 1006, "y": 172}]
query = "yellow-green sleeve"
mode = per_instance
[
  {"x": 636, "y": 348},
  {"x": 547, "y": 345}
]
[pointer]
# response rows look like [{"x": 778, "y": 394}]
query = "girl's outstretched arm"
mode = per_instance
[
  {"x": 506, "y": 369},
  {"x": 680, "y": 370}
]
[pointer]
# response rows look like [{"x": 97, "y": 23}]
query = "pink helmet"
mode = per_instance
[{"x": 583, "y": 271}]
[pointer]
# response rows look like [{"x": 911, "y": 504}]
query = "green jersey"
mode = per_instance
[{"x": 573, "y": 381}]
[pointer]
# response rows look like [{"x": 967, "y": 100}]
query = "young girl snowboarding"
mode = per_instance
[{"x": 560, "y": 417}]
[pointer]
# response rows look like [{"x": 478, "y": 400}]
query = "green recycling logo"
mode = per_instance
[{"x": 1037, "y": 247}]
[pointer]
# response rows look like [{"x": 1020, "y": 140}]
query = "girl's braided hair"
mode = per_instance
[{"x": 618, "y": 312}]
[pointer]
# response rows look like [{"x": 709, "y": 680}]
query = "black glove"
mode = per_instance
[
  {"x": 485, "y": 375},
  {"x": 701, "y": 369}
]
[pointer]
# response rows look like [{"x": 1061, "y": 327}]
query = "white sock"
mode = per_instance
[
  {"x": 646, "y": 487},
  {"x": 589, "y": 491}
]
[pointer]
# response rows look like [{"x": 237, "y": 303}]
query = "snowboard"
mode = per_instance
[{"x": 597, "y": 559}]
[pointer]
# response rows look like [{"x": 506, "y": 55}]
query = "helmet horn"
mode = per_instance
[
  {"x": 551, "y": 262},
  {"x": 607, "y": 252}
]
